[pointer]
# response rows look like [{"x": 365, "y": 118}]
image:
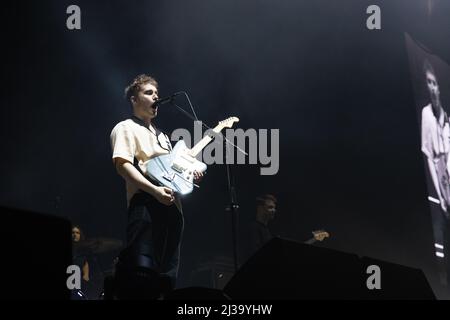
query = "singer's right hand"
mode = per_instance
[{"x": 164, "y": 195}]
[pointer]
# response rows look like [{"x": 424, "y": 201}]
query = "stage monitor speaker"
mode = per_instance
[
  {"x": 284, "y": 269},
  {"x": 214, "y": 273},
  {"x": 197, "y": 293},
  {"x": 398, "y": 282},
  {"x": 36, "y": 251}
]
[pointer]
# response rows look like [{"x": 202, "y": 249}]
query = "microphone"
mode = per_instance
[{"x": 165, "y": 100}]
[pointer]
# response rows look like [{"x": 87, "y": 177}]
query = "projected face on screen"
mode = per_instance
[{"x": 433, "y": 88}]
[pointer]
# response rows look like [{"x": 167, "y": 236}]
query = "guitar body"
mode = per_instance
[{"x": 176, "y": 169}]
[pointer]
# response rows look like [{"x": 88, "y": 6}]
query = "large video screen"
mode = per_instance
[{"x": 431, "y": 83}]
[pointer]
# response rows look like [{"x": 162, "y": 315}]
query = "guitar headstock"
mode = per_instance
[
  {"x": 320, "y": 235},
  {"x": 228, "y": 123}
]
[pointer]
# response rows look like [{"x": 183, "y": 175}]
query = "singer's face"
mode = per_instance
[{"x": 145, "y": 99}]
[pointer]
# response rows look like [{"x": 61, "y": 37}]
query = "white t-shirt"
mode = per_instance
[{"x": 131, "y": 139}]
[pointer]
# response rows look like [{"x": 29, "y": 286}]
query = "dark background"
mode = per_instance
[{"x": 341, "y": 95}]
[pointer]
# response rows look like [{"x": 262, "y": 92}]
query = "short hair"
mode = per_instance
[
  {"x": 428, "y": 67},
  {"x": 261, "y": 200},
  {"x": 133, "y": 88}
]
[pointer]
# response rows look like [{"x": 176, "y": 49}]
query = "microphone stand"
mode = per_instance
[{"x": 233, "y": 206}]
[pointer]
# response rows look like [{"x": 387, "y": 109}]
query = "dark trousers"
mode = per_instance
[{"x": 154, "y": 234}]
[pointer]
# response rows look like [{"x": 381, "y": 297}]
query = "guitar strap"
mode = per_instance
[
  {"x": 158, "y": 133},
  {"x": 135, "y": 164}
]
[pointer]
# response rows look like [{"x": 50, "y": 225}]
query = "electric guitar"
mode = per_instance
[
  {"x": 318, "y": 235},
  {"x": 176, "y": 169}
]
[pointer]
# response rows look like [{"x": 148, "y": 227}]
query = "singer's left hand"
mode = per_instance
[{"x": 198, "y": 176}]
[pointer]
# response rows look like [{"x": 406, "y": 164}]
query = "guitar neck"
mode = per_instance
[
  {"x": 310, "y": 241},
  {"x": 204, "y": 142}
]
